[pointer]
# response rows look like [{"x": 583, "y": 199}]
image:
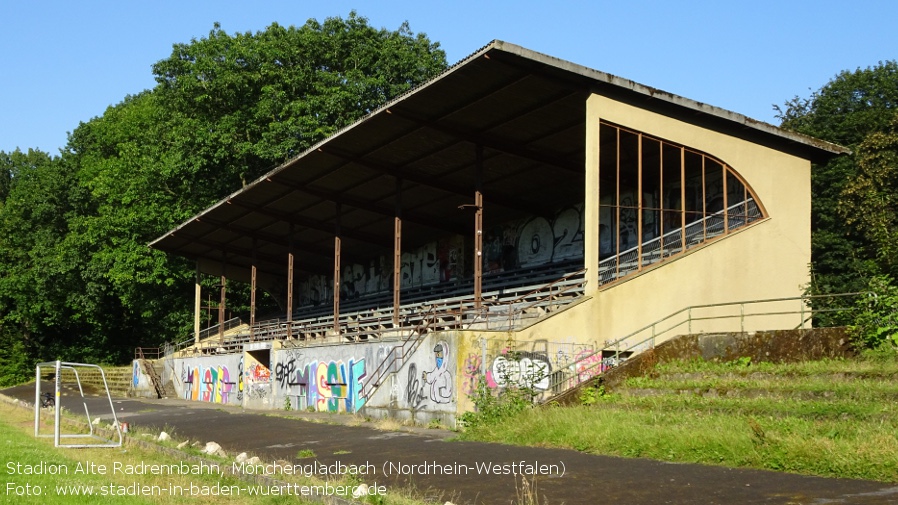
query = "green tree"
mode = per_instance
[
  {"x": 845, "y": 111},
  {"x": 39, "y": 314},
  {"x": 226, "y": 108},
  {"x": 77, "y": 281},
  {"x": 869, "y": 201},
  {"x": 246, "y": 102}
]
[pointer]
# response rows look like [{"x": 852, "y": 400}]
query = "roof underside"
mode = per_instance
[{"x": 520, "y": 112}]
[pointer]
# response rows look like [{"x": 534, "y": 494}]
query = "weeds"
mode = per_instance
[
  {"x": 835, "y": 418},
  {"x": 517, "y": 394},
  {"x": 591, "y": 395},
  {"x": 876, "y": 317}
]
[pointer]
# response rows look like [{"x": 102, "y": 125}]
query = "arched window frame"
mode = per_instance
[{"x": 672, "y": 197}]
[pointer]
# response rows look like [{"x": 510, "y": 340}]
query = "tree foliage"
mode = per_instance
[
  {"x": 869, "y": 202},
  {"x": 248, "y": 101},
  {"x": 852, "y": 110},
  {"x": 77, "y": 280}
]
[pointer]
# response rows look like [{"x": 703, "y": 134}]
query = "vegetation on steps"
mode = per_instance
[{"x": 835, "y": 418}]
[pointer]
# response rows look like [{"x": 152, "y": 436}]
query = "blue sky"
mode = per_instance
[{"x": 65, "y": 62}]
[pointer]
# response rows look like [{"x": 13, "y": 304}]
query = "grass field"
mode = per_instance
[
  {"x": 35, "y": 472},
  {"x": 829, "y": 418}
]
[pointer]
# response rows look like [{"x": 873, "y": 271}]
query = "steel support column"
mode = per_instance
[
  {"x": 397, "y": 253},
  {"x": 290, "y": 284},
  {"x": 337, "y": 274},
  {"x": 478, "y": 231},
  {"x": 223, "y": 296},
  {"x": 337, "y": 285},
  {"x": 252, "y": 296},
  {"x": 197, "y": 305}
]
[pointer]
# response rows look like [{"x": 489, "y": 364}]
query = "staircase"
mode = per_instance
[
  {"x": 149, "y": 369},
  {"x": 394, "y": 360},
  {"x": 678, "y": 332}
]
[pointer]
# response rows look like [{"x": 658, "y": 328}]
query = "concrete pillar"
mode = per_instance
[{"x": 591, "y": 199}]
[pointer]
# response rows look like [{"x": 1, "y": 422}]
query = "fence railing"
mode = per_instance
[
  {"x": 397, "y": 355},
  {"x": 672, "y": 242},
  {"x": 230, "y": 324},
  {"x": 800, "y": 309},
  {"x": 499, "y": 310},
  {"x": 510, "y": 314}
]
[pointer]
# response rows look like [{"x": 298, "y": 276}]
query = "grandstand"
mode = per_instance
[{"x": 504, "y": 223}]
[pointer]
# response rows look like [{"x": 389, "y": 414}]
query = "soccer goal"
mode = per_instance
[{"x": 47, "y": 401}]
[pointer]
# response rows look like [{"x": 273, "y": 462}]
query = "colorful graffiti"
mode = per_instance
[
  {"x": 332, "y": 386},
  {"x": 471, "y": 373},
  {"x": 257, "y": 378},
  {"x": 208, "y": 384},
  {"x": 135, "y": 374},
  {"x": 439, "y": 379},
  {"x": 588, "y": 364},
  {"x": 522, "y": 369},
  {"x": 520, "y": 243},
  {"x": 534, "y": 241},
  {"x": 257, "y": 372},
  {"x": 240, "y": 381}
]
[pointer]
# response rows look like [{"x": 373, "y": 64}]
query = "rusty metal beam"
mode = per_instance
[
  {"x": 197, "y": 305},
  {"x": 397, "y": 253},
  {"x": 337, "y": 272},
  {"x": 252, "y": 296},
  {"x": 478, "y": 229},
  {"x": 290, "y": 280},
  {"x": 223, "y": 297}
]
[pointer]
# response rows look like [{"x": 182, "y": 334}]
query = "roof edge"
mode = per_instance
[{"x": 666, "y": 96}]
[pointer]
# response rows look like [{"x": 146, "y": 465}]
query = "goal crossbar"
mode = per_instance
[{"x": 57, "y": 434}]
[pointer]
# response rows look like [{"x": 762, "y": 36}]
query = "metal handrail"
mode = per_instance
[
  {"x": 514, "y": 307},
  {"x": 586, "y": 365},
  {"x": 412, "y": 341},
  {"x": 678, "y": 240},
  {"x": 176, "y": 347},
  {"x": 148, "y": 353}
]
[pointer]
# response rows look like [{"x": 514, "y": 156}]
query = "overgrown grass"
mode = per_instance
[
  {"x": 21, "y": 448},
  {"x": 849, "y": 429}
]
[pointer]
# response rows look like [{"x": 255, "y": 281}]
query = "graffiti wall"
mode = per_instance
[
  {"x": 534, "y": 241},
  {"x": 213, "y": 379},
  {"x": 321, "y": 383},
  {"x": 545, "y": 367},
  {"x": 436, "y": 262},
  {"x": 522, "y": 243},
  {"x": 257, "y": 381},
  {"x": 141, "y": 385},
  {"x": 331, "y": 378}
]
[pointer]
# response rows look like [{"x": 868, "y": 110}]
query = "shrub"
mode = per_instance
[{"x": 876, "y": 316}]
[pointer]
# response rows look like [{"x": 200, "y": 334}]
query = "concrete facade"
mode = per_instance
[{"x": 761, "y": 259}]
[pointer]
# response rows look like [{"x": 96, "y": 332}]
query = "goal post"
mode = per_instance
[{"x": 58, "y": 367}]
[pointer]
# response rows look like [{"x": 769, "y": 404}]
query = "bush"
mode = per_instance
[
  {"x": 490, "y": 407},
  {"x": 876, "y": 316}
]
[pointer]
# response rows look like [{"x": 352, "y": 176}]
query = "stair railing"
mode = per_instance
[
  {"x": 614, "y": 352},
  {"x": 147, "y": 366},
  {"x": 409, "y": 345}
]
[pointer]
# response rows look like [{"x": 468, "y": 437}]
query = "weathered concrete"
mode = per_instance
[
  {"x": 586, "y": 478},
  {"x": 777, "y": 346}
]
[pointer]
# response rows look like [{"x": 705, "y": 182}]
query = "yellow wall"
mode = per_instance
[{"x": 766, "y": 260}]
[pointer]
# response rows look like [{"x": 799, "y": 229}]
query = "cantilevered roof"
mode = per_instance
[{"x": 519, "y": 112}]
